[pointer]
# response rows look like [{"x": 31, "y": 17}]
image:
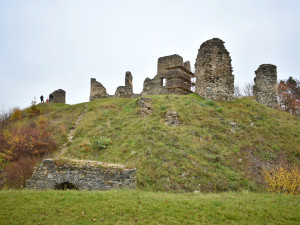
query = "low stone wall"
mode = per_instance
[{"x": 81, "y": 175}]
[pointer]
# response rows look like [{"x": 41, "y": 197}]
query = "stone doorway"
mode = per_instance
[{"x": 65, "y": 186}]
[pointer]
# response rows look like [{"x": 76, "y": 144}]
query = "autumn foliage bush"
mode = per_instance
[
  {"x": 20, "y": 148},
  {"x": 283, "y": 180}
]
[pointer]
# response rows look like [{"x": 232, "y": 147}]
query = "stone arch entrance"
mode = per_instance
[{"x": 65, "y": 186}]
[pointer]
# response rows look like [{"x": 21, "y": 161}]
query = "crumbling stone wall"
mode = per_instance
[
  {"x": 82, "y": 175},
  {"x": 166, "y": 62},
  {"x": 173, "y": 77},
  {"x": 213, "y": 71},
  {"x": 98, "y": 91},
  {"x": 58, "y": 96},
  {"x": 265, "y": 85},
  {"x": 127, "y": 90}
]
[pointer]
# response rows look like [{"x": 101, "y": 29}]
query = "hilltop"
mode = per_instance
[{"x": 218, "y": 146}]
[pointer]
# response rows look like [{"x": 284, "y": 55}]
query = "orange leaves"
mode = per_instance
[{"x": 289, "y": 95}]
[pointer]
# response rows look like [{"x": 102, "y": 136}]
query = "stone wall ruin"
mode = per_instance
[
  {"x": 213, "y": 71},
  {"x": 98, "y": 91},
  {"x": 127, "y": 90},
  {"x": 265, "y": 85},
  {"x": 58, "y": 96},
  {"x": 81, "y": 175},
  {"x": 173, "y": 77}
]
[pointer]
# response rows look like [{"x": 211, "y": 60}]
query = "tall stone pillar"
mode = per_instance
[
  {"x": 128, "y": 79},
  {"x": 265, "y": 85},
  {"x": 213, "y": 71}
]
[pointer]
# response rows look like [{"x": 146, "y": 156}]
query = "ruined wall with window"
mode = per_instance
[{"x": 173, "y": 77}]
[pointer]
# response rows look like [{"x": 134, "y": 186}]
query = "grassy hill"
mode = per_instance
[{"x": 219, "y": 146}]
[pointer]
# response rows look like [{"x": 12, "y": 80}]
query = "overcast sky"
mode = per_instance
[{"x": 50, "y": 44}]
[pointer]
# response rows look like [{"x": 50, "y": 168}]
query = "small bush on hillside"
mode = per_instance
[
  {"x": 101, "y": 143},
  {"x": 34, "y": 110},
  {"x": 283, "y": 180},
  {"x": 209, "y": 103},
  {"x": 16, "y": 115},
  {"x": 219, "y": 110}
]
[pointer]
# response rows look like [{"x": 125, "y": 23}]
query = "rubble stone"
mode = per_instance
[
  {"x": 145, "y": 105},
  {"x": 172, "y": 118}
]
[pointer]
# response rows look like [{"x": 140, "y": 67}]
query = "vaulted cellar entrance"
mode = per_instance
[{"x": 65, "y": 186}]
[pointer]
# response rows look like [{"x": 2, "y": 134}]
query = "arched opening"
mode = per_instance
[{"x": 65, "y": 186}]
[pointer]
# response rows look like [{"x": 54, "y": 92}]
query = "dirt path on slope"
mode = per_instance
[{"x": 71, "y": 133}]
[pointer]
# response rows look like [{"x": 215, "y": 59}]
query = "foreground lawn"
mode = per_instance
[{"x": 137, "y": 207}]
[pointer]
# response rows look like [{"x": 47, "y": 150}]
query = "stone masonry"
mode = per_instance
[
  {"x": 265, "y": 85},
  {"x": 58, "y": 96},
  {"x": 213, "y": 71},
  {"x": 127, "y": 90},
  {"x": 81, "y": 175},
  {"x": 98, "y": 91},
  {"x": 173, "y": 77}
]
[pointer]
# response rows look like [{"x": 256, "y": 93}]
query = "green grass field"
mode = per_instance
[{"x": 138, "y": 207}]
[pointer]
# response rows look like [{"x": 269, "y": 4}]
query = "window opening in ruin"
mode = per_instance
[
  {"x": 193, "y": 81},
  {"x": 65, "y": 186},
  {"x": 164, "y": 82}
]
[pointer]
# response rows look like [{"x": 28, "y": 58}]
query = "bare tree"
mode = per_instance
[
  {"x": 237, "y": 91},
  {"x": 248, "y": 89}
]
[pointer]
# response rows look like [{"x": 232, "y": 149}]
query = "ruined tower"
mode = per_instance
[
  {"x": 58, "y": 96},
  {"x": 265, "y": 85},
  {"x": 213, "y": 71},
  {"x": 173, "y": 77},
  {"x": 98, "y": 91},
  {"x": 127, "y": 90}
]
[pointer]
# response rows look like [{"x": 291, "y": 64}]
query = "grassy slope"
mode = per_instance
[
  {"x": 205, "y": 153},
  {"x": 137, "y": 207}
]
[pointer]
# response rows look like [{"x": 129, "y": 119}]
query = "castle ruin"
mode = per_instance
[
  {"x": 213, "y": 74},
  {"x": 265, "y": 85},
  {"x": 213, "y": 71},
  {"x": 173, "y": 77},
  {"x": 58, "y": 96}
]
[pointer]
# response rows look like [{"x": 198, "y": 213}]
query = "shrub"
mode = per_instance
[
  {"x": 34, "y": 110},
  {"x": 16, "y": 115},
  {"x": 209, "y": 103},
  {"x": 19, "y": 171},
  {"x": 219, "y": 110},
  {"x": 101, "y": 143},
  {"x": 283, "y": 180}
]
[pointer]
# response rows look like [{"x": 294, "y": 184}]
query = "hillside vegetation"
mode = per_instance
[{"x": 219, "y": 146}]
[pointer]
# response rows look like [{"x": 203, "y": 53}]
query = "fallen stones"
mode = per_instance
[
  {"x": 145, "y": 105},
  {"x": 172, "y": 118}
]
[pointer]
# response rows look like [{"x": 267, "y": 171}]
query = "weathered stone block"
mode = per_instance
[{"x": 58, "y": 96}]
